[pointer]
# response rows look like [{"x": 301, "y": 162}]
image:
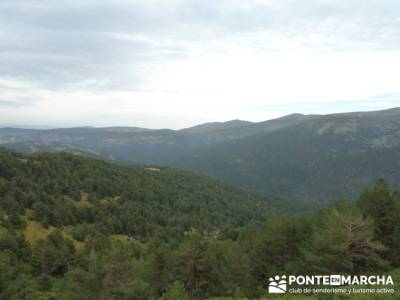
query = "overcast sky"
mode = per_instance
[{"x": 173, "y": 64}]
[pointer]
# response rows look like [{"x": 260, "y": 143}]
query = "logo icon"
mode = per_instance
[
  {"x": 277, "y": 285},
  {"x": 335, "y": 280}
]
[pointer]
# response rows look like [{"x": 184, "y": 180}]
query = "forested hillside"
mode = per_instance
[
  {"x": 76, "y": 228},
  {"x": 320, "y": 158},
  {"x": 312, "y": 158},
  {"x": 64, "y": 189}
]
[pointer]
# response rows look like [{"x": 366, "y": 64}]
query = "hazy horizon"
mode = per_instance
[
  {"x": 175, "y": 64},
  {"x": 46, "y": 127}
]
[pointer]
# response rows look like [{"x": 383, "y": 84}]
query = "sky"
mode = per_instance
[{"x": 178, "y": 63}]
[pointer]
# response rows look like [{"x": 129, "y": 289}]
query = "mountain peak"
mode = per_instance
[{"x": 211, "y": 126}]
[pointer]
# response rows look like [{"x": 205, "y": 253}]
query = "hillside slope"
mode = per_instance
[
  {"x": 320, "y": 159},
  {"x": 74, "y": 228},
  {"x": 140, "y": 145},
  {"x": 312, "y": 158},
  {"x": 148, "y": 200}
]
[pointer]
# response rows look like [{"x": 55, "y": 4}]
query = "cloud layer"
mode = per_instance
[{"x": 176, "y": 63}]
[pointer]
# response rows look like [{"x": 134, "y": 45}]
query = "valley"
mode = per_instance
[{"x": 312, "y": 158}]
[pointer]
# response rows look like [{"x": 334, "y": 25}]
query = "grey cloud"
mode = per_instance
[{"x": 57, "y": 43}]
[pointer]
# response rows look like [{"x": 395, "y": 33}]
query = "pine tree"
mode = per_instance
[
  {"x": 176, "y": 291},
  {"x": 343, "y": 241},
  {"x": 193, "y": 266},
  {"x": 383, "y": 207}
]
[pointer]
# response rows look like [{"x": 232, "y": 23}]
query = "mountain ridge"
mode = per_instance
[
  {"x": 282, "y": 155},
  {"x": 388, "y": 111}
]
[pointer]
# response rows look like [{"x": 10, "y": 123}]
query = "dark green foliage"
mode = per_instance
[
  {"x": 342, "y": 240},
  {"x": 194, "y": 266},
  {"x": 159, "y": 266},
  {"x": 128, "y": 233},
  {"x": 383, "y": 206},
  {"x": 176, "y": 291},
  {"x": 135, "y": 201},
  {"x": 53, "y": 255},
  {"x": 277, "y": 247}
]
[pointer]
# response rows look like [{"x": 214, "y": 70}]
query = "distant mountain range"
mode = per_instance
[{"x": 308, "y": 157}]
